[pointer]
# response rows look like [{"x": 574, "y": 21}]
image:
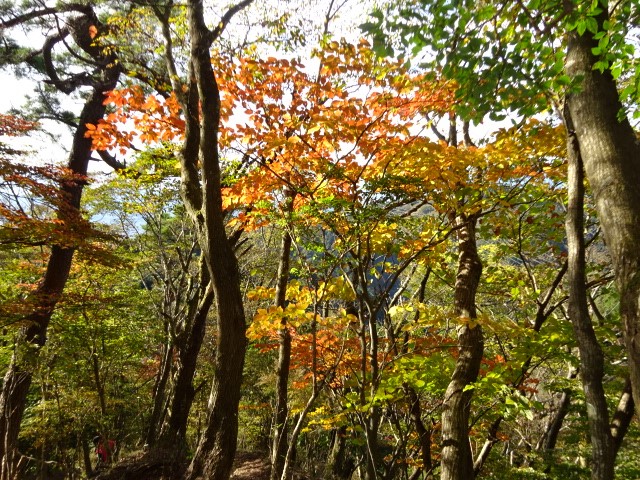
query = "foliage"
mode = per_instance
[{"x": 341, "y": 151}]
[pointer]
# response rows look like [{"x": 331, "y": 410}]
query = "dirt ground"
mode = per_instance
[
  {"x": 250, "y": 466},
  {"x": 255, "y": 466}
]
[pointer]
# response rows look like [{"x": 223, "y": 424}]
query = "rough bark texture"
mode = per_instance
[
  {"x": 32, "y": 337},
  {"x": 202, "y": 196},
  {"x": 611, "y": 158},
  {"x": 591, "y": 356},
  {"x": 457, "y": 461}
]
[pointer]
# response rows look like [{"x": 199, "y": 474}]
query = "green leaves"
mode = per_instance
[{"x": 507, "y": 59}]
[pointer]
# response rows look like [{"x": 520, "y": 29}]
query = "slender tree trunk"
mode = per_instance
[
  {"x": 591, "y": 356},
  {"x": 547, "y": 443},
  {"x": 174, "y": 434},
  {"x": 611, "y": 158},
  {"x": 424, "y": 432},
  {"x": 32, "y": 337},
  {"x": 86, "y": 458},
  {"x": 542, "y": 313},
  {"x": 339, "y": 465},
  {"x": 160, "y": 392},
  {"x": 280, "y": 443},
  {"x": 457, "y": 461}
]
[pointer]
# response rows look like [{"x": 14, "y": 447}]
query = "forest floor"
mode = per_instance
[
  {"x": 246, "y": 466},
  {"x": 250, "y": 466}
]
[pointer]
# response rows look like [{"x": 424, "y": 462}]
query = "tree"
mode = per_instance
[
  {"x": 522, "y": 40},
  {"x": 611, "y": 155},
  {"x": 202, "y": 197},
  {"x": 100, "y": 75}
]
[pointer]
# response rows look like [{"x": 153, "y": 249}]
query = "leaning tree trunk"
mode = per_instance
[
  {"x": 591, "y": 356},
  {"x": 457, "y": 460},
  {"x": 174, "y": 432},
  {"x": 32, "y": 337},
  {"x": 611, "y": 158}
]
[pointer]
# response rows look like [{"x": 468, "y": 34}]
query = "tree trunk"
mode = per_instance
[
  {"x": 175, "y": 432},
  {"x": 542, "y": 313},
  {"x": 32, "y": 337},
  {"x": 340, "y": 465},
  {"x": 202, "y": 195},
  {"x": 547, "y": 443},
  {"x": 611, "y": 158},
  {"x": 280, "y": 443},
  {"x": 622, "y": 417},
  {"x": 159, "y": 392},
  {"x": 424, "y": 433},
  {"x": 457, "y": 461},
  {"x": 591, "y": 356}
]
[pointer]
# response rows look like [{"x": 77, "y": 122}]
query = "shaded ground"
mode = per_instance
[
  {"x": 250, "y": 466},
  {"x": 246, "y": 466}
]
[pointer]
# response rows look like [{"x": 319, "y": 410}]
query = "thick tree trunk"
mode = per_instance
[
  {"x": 18, "y": 378},
  {"x": 591, "y": 356},
  {"x": 202, "y": 195},
  {"x": 611, "y": 158},
  {"x": 457, "y": 461},
  {"x": 280, "y": 443}
]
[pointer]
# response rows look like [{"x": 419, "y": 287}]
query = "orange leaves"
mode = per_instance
[
  {"x": 136, "y": 117},
  {"x": 320, "y": 131}
]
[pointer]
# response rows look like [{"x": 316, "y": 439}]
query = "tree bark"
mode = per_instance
[
  {"x": 33, "y": 335},
  {"x": 457, "y": 461},
  {"x": 591, "y": 356},
  {"x": 280, "y": 443},
  {"x": 202, "y": 195},
  {"x": 611, "y": 158},
  {"x": 424, "y": 432},
  {"x": 174, "y": 434}
]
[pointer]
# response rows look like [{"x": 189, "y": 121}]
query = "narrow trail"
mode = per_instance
[{"x": 250, "y": 466}]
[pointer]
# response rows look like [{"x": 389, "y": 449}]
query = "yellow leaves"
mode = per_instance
[
  {"x": 261, "y": 293},
  {"x": 532, "y": 150},
  {"x": 300, "y": 308},
  {"x": 336, "y": 288},
  {"x": 382, "y": 238}
]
